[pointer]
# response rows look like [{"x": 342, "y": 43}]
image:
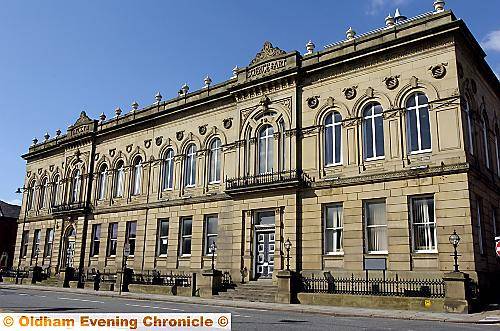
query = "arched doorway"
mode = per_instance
[{"x": 69, "y": 247}]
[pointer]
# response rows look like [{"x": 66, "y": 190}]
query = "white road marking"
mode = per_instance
[
  {"x": 83, "y": 300},
  {"x": 23, "y": 294},
  {"x": 153, "y": 307},
  {"x": 41, "y": 296}
]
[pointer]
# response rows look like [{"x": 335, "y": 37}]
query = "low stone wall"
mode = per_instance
[
  {"x": 369, "y": 301},
  {"x": 161, "y": 289}
]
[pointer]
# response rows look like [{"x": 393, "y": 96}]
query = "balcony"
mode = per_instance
[
  {"x": 267, "y": 182},
  {"x": 69, "y": 208}
]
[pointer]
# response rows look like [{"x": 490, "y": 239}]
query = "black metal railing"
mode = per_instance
[
  {"x": 429, "y": 288},
  {"x": 282, "y": 177},
  {"x": 13, "y": 273},
  {"x": 106, "y": 276},
  {"x": 68, "y": 207},
  {"x": 154, "y": 277}
]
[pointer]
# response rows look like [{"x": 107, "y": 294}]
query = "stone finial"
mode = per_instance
[
  {"x": 439, "y": 6},
  {"x": 389, "y": 21},
  {"x": 102, "y": 117},
  {"x": 58, "y": 132},
  {"x": 35, "y": 141},
  {"x": 135, "y": 106},
  {"x": 398, "y": 17},
  {"x": 158, "y": 97},
  {"x": 310, "y": 47},
  {"x": 350, "y": 33},
  {"x": 118, "y": 111},
  {"x": 207, "y": 81},
  {"x": 46, "y": 136},
  {"x": 185, "y": 89},
  {"x": 235, "y": 72}
]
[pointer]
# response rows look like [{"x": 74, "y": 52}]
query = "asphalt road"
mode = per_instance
[{"x": 35, "y": 301}]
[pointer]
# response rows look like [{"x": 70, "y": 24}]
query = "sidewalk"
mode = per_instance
[{"x": 487, "y": 317}]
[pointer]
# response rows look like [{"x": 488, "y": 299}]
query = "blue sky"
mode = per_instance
[{"x": 61, "y": 57}]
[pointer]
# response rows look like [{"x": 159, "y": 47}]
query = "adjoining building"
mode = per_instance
[
  {"x": 372, "y": 150},
  {"x": 9, "y": 214}
]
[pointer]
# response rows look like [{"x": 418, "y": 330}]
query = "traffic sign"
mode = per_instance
[
  {"x": 126, "y": 250},
  {"x": 498, "y": 248}
]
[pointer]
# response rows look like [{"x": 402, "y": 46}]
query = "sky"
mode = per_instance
[{"x": 58, "y": 58}]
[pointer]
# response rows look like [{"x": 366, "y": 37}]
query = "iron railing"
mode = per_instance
[
  {"x": 154, "y": 277},
  {"x": 429, "y": 288},
  {"x": 13, "y": 273},
  {"x": 106, "y": 276},
  {"x": 282, "y": 177}
]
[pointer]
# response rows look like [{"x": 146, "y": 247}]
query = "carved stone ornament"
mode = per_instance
[
  {"x": 350, "y": 92},
  {"x": 438, "y": 71},
  {"x": 391, "y": 82},
  {"x": 202, "y": 129},
  {"x": 414, "y": 81},
  {"x": 267, "y": 52},
  {"x": 147, "y": 143},
  {"x": 96, "y": 156},
  {"x": 158, "y": 140},
  {"x": 129, "y": 148},
  {"x": 179, "y": 135},
  {"x": 313, "y": 102},
  {"x": 112, "y": 152},
  {"x": 40, "y": 171},
  {"x": 28, "y": 174},
  {"x": 228, "y": 122}
]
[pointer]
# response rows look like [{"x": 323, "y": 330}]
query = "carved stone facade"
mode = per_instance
[{"x": 278, "y": 177}]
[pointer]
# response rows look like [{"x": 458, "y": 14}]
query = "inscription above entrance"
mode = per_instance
[{"x": 266, "y": 68}]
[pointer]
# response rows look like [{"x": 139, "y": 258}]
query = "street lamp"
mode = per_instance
[
  {"x": 213, "y": 248},
  {"x": 455, "y": 240},
  {"x": 288, "y": 245},
  {"x": 20, "y": 191}
]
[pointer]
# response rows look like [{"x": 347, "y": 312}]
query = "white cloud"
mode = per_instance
[
  {"x": 13, "y": 202},
  {"x": 492, "y": 41},
  {"x": 376, "y": 6}
]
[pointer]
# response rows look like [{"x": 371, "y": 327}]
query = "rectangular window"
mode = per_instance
[
  {"x": 49, "y": 240},
  {"x": 112, "y": 239},
  {"x": 24, "y": 243},
  {"x": 36, "y": 244},
  {"x": 186, "y": 234},
  {"x": 130, "y": 235},
  {"x": 479, "y": 228},
  {"x": 211, "y": 225},
  {"x": 333, "y": 228},
  {"x": 423, "y": 224},
  {"x": 375, "y": 227},
  {"x": 95, "y": 240},
  {"x": 495, "y": 220},
  {"x": 162, "y": 245}
]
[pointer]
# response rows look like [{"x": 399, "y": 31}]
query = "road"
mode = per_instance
[{"x": 36, "y": 301}]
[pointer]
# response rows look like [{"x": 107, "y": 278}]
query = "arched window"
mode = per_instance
[
  {"x": 119, "y": 180},
  {"x": 373, "y": 131},
  {"x": 55, "y": 191},
  {"x": 485, "y": 140},
  {"x": 266, "y": 149},
  {"x": 214, "y": 163},
  {"x": 168, "y": 170},
  {"x": 333, "y": 139},
  {"x": 137, "y": 177},
  {"x": 418, "y": 123},
  {"x": 76, "y": 183},
  {"x": 468, "y": 125},
  {"x": 282, "y": 152},
  {"x": 101, "y": 188},
  {"x": 190, "y": 166},
  {"x": 30, "y": 195},
  {"x": 43, "y": 192}
]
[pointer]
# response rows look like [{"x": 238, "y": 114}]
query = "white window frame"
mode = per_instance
[
  {"x": 333, "y": 126},
  {"x": 112, "y": 240},
  {"x": 95, "y": 239},
  {"x": 368, "y": 227},
  {"x": 282, "y": 152},
  {"x": 215, "y": 161},
  {"x": 168, "y": 170},
  {"x": 101, "y": 192},
  {"x": 119, "y": 180},
  {"x": 24, "y": 243},
  {"x": 36, "y": 243},
  {"x": 49, "y": 242},
  {"x": 76, "y": 186},
  {"x": 417, "y": 108},
  {"x": 190, "y": 166},
  {"x": 161, "y": 237},
  {"x": 370, "y": 109},
  {"x": 185, "y": 236},
  {"x": 426, "y": 225},
  {"x": 266, "y": 142},
  {"x": 497, "y": 152},
  {"x": 486, "y": 142},
  {"x": 55, "y": 190},
  {"x": 334, "y": 229},
  {"x": 131, "y": 236},
  {"x": 137, "y": 176},
  {"x": 466, "y": 109},
  {"x": 43, "y": 193},
  {"x": 210, "y": 235}
]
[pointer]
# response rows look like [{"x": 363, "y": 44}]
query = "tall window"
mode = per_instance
[
  {"x": 55, "y": 191},
  {"x": 479, "y": 227},
  {"x": 43, "y": 192},
  {"x": 162, "y": 245},
  {"x": 119, "y": 180},
  {"x": 137, "y": 177},
  {"x": 186, "y": 234},
  {"x": 103, "y": 173},
  {"x": 497, "y": 149},
  {"x": 130, "y": 236},
  {"x": 112, "y": 239},
  {"x": 211, "y": 225},
  {"x": 76, "y": 183},
  {"x": 282, "y": 160},
  {"x": 215, "y": 157},
  {"x": 485, "y": 140},
  {"x": 333, "y": 139},
  {"x": 373, "y": 131},
  {"x": 24, "y": 244},
  {"x": 468, "y": 125},
  {"x": 266, "y": 149},
  {"x": 333, "y": 229},
  {"x": 418, "y": 123},
  {"x": 494, "y": 218},
  {"x": 168, "y": 170},
  {"x": 423, "y": 224},
  {"x": 30, "y": 195},
  {"x": 190, "y": 167},
  {"x": 375, "y": 227},
  {"x": 96, "y": 240},
  {"x": 36, "y": 244},
  {"x": 49, "y": 241}
]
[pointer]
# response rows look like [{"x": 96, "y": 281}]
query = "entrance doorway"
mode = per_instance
[
  {"x": 264, "y": 244},
  {"x": 69, "y": 247}
]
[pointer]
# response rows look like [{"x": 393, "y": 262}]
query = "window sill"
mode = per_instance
[
  {"x": 214, "y": 183},
  {"x": 333, "y": 254},
  {"x": 162, "y": 256},
  {"x": 422, "y": 252},
  {"x": 420, "y": 152},
  {"x": 333, "y": 165},
  {"x": 377, "y": 158},
  {"x": 378, "y": 253},
  {"x": 185, "y": 256}
]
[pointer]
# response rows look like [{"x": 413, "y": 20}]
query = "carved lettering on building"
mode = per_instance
[
  {"x": 80, "y": 130},
  {"x": 266, "y": 68}
]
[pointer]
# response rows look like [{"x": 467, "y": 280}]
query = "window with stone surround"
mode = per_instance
[
  {"x": 55, "y": 190},
  {"x": 95, "y": 240},
  {"x": 35, "y": 249},
  {"x": 30, "y": 195},
  {"x": 478, "y": 225},
  {"x": 333, "y": 139},
  {"x": 497, "y": 148},
  {"x": 119, "y": 180},
  {"x": 49, "y": 242},
  {"x": 76, "y": 183},
  {"x": 101, "y": 189},
  {"x": 186, "y": 235},
  {"x": 468, "y": 125},
  {"x": 423, "y": 223},
  {"x": 137, "y": 176},
  {"x": 190, "y": 166},
  {"x": 418, "y": 131},
  {"x": 333, "y": 225},
  {"x": 375, "y": 227},
  {"x": 130, "y": 235},
  {"x": 24, "y": 243},
  {"x": 211, "y": 231},
  {"x": 112, "y": 239},
  {"x": 484, "y": 123},
  {"x": 266, "y": 149},
  {"x": 214, "y": 161},
  {"x": 162, "y": 241},
  {"x": 373, "y": 132},
  {"x": 43, "y": 193},
  {"x": 168, "y": 170}
]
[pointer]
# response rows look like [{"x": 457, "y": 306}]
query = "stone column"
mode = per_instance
[
  {"x": 456, "y": 298},
  {"x": 287, "y": 287},
  {"x": 210, "y": 283}
]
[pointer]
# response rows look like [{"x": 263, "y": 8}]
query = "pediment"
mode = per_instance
[{"x": 267, "y": 52}]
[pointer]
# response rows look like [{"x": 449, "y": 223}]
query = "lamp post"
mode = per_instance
[
  {"x": 20, "y": 191},
  {"x": 455, "y": 240},
  {"x": 213, "y": 248},
  {"x": 288, "y": 245}
]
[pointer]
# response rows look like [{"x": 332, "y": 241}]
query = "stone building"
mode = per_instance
[
  {"x": 9, "y": 214},
  {"x": 371, "y": 151}
]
